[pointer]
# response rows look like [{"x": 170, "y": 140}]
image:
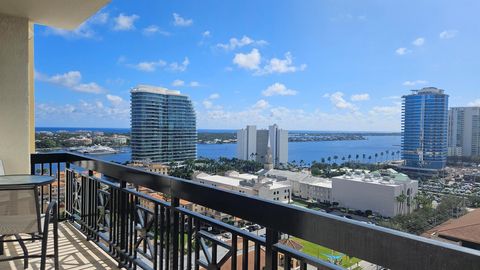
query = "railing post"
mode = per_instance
[
  {"x": 174, "y": 223},
  {"x": 122, "y": 205},
  {"x": 271, "y": 257}
]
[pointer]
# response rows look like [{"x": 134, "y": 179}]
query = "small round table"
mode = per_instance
[
  {"x": 7, "y": 181},
  {"x": 23, "y": 180}
]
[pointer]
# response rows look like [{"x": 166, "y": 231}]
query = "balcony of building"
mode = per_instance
[{"x": 115, "y": 216}]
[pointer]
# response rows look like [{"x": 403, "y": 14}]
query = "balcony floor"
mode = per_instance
[{"x": 75, "y": 252}]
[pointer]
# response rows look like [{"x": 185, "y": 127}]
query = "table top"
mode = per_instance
[{"x": 25, "y": 180}]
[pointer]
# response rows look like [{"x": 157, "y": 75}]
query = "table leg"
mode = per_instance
[{"x": 1, "y": 244}]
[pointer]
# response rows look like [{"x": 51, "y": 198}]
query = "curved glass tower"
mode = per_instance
[
  {"x": 424, "y": 128},
  {"x": 163, "y": 125}
]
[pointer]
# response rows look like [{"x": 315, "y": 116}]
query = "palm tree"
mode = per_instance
[
  {"x": 376, "y": 156},
  {"x": 369, "y": 158},
  {"x": 381, "y": 154},
  {"x": 349, "y": 157},
  {"x": 398, "y": 154},
  {"x": 363, "y": 158},
  {"x": 401, "y": 200},
  {"x": 329, "y": 159},
  {"x": 335, "y": 158},
  {"x": 323, "y": 160},
  {"x": 386, "y": 154}
]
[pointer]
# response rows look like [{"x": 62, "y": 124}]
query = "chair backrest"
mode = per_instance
[
  {"x": 2, "y": 169},
  {"x": 19, "y": 211}
]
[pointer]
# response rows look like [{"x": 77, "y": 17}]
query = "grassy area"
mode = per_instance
[{"x": 321, "y": 252}]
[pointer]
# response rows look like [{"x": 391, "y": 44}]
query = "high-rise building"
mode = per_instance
[
  {"x": 163, "y": 125},
  {"x": 424, "y": 129},
  {"x": 247, "y": 143},
  {"x": 253, "y": 144},
  {"x": 464, "y": 131}
]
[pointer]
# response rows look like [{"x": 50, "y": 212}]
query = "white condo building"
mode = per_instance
[
  {"x": 380, "y": 192},
  {"x": 252, "y": 144},
  {"x": 464, "y": 131},
  {"x": 304, "y": 185}
]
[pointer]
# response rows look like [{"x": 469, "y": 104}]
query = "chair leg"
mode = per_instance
[
  {"x": 55, "y": 243},
  {"x": 43, "y": 257},
  {"x": 24, "y": 249}
]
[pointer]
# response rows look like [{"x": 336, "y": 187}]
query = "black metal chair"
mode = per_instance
[{"x": 20, "y": 214}]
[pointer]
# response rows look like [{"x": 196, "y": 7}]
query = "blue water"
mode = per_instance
[{"x": 306, "y": 151}]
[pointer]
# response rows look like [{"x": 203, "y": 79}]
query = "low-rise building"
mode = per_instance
[
  {"x": 151, "y": 167},
  {"x": 386, "y": 192},
  {"x": 304, "y": 185},
  {"x": 249, "y": 184}
]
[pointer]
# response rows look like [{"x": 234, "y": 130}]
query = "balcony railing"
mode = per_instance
[{"x": 141, "y": 231}]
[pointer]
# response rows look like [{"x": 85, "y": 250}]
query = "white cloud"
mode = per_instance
[
  {"x": 414, "y": 83},
  {"x": 180, "y": 21},
  {"x": 206, "y": 34},
  {"x": 208, "y": 102},
  {"x": 360, "y": 97},
  {"x": 419, "y": 41},
  {"x": 71, "y": 80},
  {"x": 248, "y": 60},
  {"x": 150, "y": 66},
  {"x": 214, "y": 96},
  {"x": 115, "y": 100},
  {"x": 475, "y": 103},
  {"x": 235, "y": 43},
  {"x": 264, "y": 114},
  {"x": 340, "y": 103},
  {"x": 261, "y": 105},
  {"x": 84, "y": 30},
  {"x": 92, "y": 112},
  {"x": 174, "y": 66},
  {"x": 194, "y": 84},
  {"x": 402, "y": 51},
  {"x": 154, "y": 29},
  {"x": 278, "y": 89},
  {"x": 178, "y": 83},
  {"x": 125, "y": 22},
  {"x": 253, "y": 59},
  {"x": 448, "y": 34},
  {"x": 276, "y": 65},
  {"x": 386, "y": 110}
]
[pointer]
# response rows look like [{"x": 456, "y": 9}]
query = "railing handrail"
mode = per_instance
[{"x": 379, "y": 245}]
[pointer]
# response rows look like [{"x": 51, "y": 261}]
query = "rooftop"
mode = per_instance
[
  {"x": 388, "y": 177},
  {"x": 465, "y": 228},
  {"x": 154, "y": 90}
]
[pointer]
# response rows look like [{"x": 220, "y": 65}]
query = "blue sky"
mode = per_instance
[{"x": 305, "y": 65}]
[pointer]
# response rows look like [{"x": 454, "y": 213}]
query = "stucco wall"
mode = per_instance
[{"x": 16, "y": 94}]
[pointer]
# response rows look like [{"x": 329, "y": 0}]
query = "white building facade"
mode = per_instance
[
  {"x": 248, "y": 184},
  {"x": 388, "y": 193},
  {"x": 304, "y": 185},
  {"x": 247, "y": 143},
  {"x": 464, "y": 131},
  {"x": 252, "y": 144}
]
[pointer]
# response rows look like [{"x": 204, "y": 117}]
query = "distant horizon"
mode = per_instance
[{"x": 226, "y": 129}]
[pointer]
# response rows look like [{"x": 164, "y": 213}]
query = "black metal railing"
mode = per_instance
[{"x": 141, "y": 230}]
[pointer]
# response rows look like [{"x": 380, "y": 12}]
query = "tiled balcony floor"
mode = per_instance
[{"x": 75, "y": 252}]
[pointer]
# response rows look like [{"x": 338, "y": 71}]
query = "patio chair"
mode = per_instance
[
  {"x": 20, "y": 214},
  {"x": 2, "y": 170}
]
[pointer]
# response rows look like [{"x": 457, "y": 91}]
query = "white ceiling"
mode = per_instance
[{"x": 66, "y": 14}]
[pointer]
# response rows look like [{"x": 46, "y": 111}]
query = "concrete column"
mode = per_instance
[{"x": 17, "y": 135}]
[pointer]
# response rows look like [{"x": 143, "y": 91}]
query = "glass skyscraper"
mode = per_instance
[
  {"x": 163, "y": 125},
  {"x": 424, "y": 128}
]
